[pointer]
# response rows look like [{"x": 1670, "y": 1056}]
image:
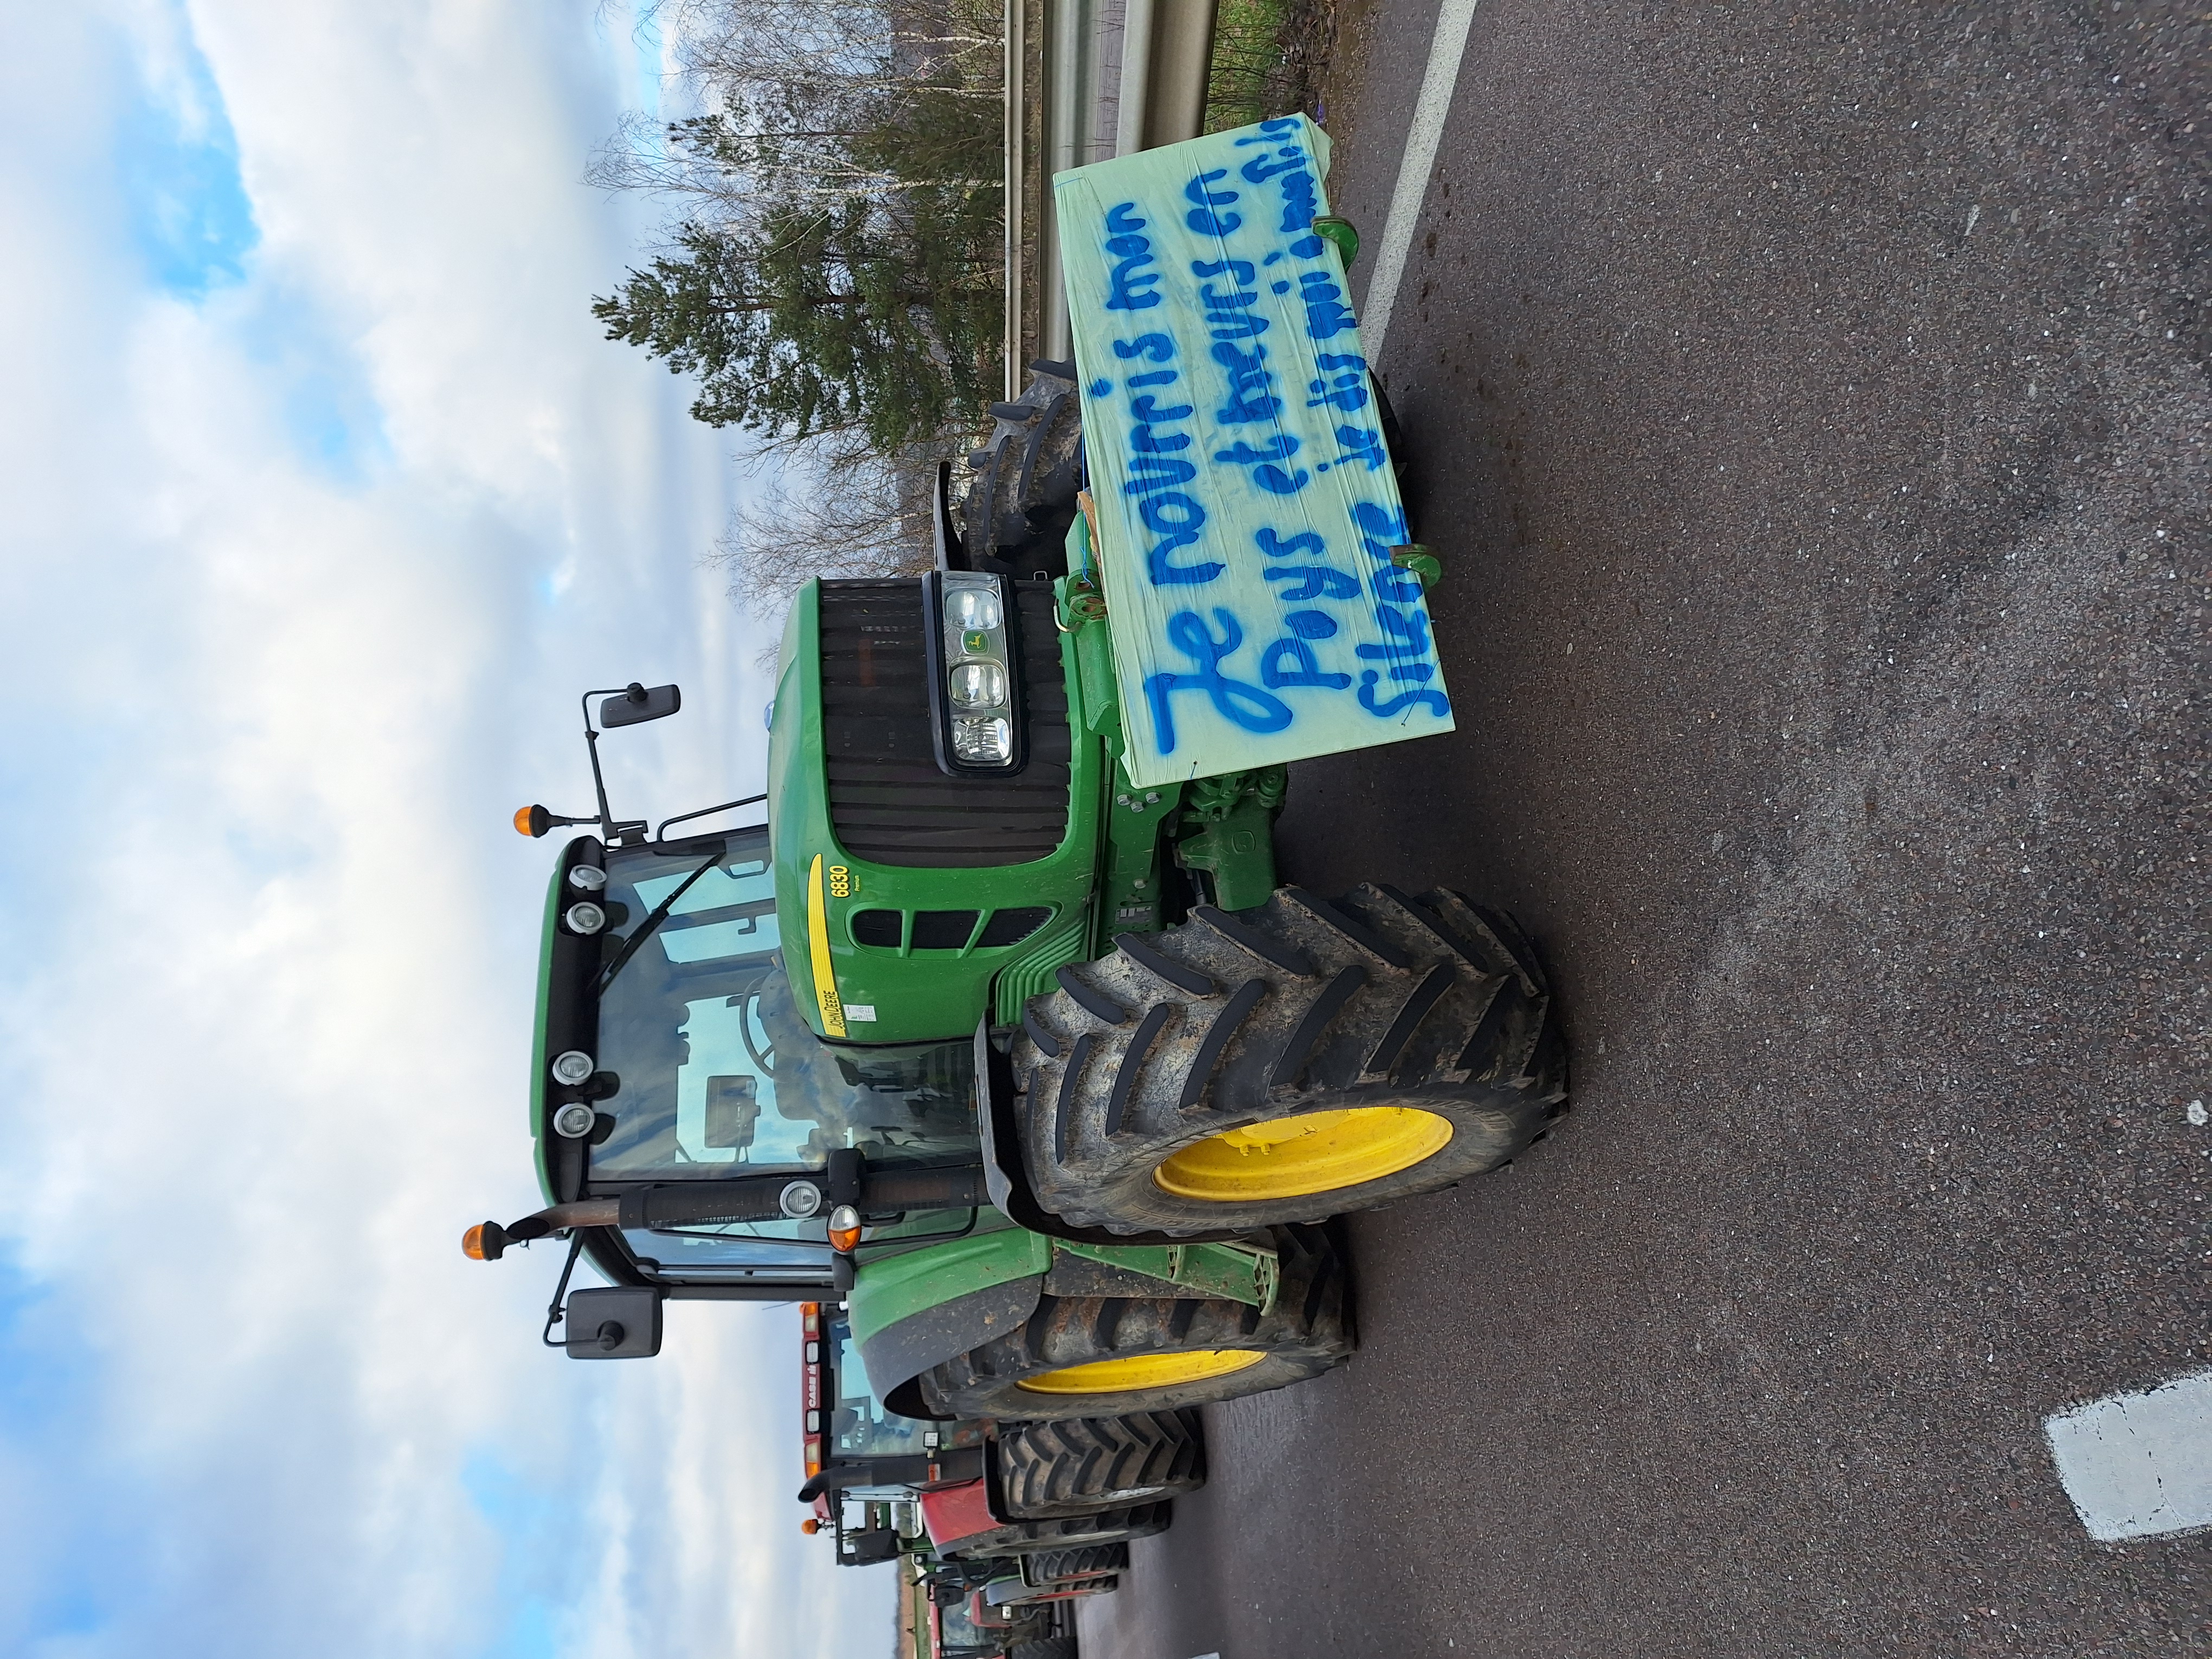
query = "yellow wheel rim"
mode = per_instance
[
  {"x": 1144, "y": 1370},
  {"x": 1318, "y": 1153}
]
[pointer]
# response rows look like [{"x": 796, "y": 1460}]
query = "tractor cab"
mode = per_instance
[
  {"x": 859, "y": 1452},
  {"x": 695, "y": 1138}
]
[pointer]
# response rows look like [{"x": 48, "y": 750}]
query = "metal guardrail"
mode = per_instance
[{"x": 1085, "y": 79}]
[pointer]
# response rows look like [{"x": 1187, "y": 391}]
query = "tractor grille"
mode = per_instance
[{"x": 889, "y": 803}]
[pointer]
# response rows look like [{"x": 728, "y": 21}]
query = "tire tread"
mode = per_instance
[{"x": 1304, "y": 1004}]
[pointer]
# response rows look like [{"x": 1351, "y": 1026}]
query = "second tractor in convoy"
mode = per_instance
[{"x": 1002, "y": 1525}]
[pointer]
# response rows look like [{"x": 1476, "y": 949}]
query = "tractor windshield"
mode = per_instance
[{"x": 718, "y": 1072}]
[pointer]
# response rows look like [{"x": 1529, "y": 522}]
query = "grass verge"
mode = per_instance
[{"x": 1269, "y": 57}]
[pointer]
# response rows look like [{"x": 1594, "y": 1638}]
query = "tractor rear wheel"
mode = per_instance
[
  {"x": 1079, "y": 1465},
  {"x": 1048, "y": 1647},
  {"x": 1286, "y": 1063},
  {"x": 1102, "y": 1356},
  {"x": 1021, "y": 500},
  {"x": 1067, "y": 1532},
  {"x": 1069, "y": 1565}
]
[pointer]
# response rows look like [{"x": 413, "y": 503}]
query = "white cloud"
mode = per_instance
[{"x": 302, "y": 578}]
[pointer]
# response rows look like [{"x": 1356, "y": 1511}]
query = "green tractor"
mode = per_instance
[
  {"x": 1040, "y": 1071},
  {"x": 1037, "y": 1068}
]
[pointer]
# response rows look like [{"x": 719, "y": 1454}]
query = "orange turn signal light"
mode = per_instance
[
  {"x": 844, "y": 1229},
  {"x": 810, "y": 1527},
  {"x": 532, "y": 821},
  {"x": 472, "y": 1242}
]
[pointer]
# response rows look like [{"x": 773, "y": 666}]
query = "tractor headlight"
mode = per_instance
[
  {"x": 585, "y": 917},
  {"x": 976, "y": 685},
  {"x": 587, "y": 879},
  {"x": 972, "y": 670},
  {"x": 983, "y": 743},
  {"x": 972, "y": 607},
  {"x": 574, "y": 1068}
]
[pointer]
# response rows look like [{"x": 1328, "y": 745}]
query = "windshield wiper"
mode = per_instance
[{"x": 645, "y": 929}]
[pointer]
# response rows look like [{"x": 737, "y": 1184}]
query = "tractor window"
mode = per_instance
[
  {"x": 859, "y": 1427},
  {"x": 730, "y": 911},
  {"x": 957, "y": 1630},
  {"x": 680, "y": 1250},
  {"x": 718, "y": 1072}
]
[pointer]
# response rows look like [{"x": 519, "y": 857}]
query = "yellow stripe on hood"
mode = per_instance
[{"x": 818, "y": 946}]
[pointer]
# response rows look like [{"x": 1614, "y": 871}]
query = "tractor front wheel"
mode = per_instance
[
  {"x": 1075, "y": 1466},
  {"x": 1021, "y": 497},
  {"x": 1286, "y": 1063}
]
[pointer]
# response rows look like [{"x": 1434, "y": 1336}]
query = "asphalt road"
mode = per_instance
[{"x": 1810, "y": 408}]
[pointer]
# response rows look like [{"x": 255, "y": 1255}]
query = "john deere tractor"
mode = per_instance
[
  {"x": 1039, "y": 1070},
  {"x": 1040, "y": 1073}
]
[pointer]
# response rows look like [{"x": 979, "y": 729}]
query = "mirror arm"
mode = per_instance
[
  {"x": 598, "y": 782},
  {"x": 618, "y": 830},
  {"x": 557, "y": 1310}
]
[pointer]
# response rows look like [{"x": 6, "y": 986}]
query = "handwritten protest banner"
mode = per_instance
[{"x": 1247, "y": 509}]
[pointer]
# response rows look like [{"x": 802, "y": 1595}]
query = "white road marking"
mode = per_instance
[
  {"x": 1429, "y": 110},
  {"x": 2139, "y": 1465}
]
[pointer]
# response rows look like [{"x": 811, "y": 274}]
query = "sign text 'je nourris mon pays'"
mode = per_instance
[{"x": 1246, "y": 504}]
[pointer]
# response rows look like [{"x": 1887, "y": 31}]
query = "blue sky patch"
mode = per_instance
[
  {"x": 328, "y": 409},
  {"x": 48, "y": 1379},
  {"x": 335, "y": 423},
  {"x": 528, "y": 1525},
  {"x": 190, "y": 214}
]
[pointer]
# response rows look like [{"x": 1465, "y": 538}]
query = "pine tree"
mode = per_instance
[{"x": 852, "y": 279}]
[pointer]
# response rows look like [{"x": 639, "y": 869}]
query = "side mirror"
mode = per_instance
[
  {"x": 623, "y": 1322},
  {"x": 638, "y": 705}
]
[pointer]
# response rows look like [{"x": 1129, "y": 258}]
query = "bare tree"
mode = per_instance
[
  {"x": 808, "y": 111},
  {"x": 836, "y": 509}
]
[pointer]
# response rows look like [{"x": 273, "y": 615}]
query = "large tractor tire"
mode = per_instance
[
  {"x": 1022, "y": 499},
  {"x": 1048, "y": 1647},
  {"x": 1067, "y": 1532},
  {"x": 1287, "y": 1063},
  {"x": 1106, "y": 1356},
  {"x": 1069, "y": 1566},
  {"x": 1083, "y": 1464}
]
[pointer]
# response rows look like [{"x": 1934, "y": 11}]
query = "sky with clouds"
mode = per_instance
[{"x": 323, "y": 498}]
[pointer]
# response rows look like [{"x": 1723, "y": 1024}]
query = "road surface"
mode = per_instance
[{"x": 1810, "y": 407}]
